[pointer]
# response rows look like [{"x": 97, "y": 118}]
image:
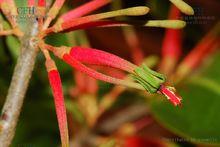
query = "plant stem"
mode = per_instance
[{"x": 18, "y": 87}]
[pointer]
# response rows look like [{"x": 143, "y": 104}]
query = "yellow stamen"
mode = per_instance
[
  {"x": 184, "y": 7},
  {"x": 173, "y": 24}
]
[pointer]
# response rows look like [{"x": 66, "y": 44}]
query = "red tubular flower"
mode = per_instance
[
  {"x": 62, "y": 26},
  {"x": 56, "y": 85},
  {"x": 64, "y": 54},
  {"x": 98, "y": 57},
  {"x": 83, "y": 10},
  {"x": 171, "y": 47},
  {"x": 99, "y": 20},
  {"x": 150, "y": 80},
  {"x": 93, "y": 73},
  {"x": 144, "y": 78}
]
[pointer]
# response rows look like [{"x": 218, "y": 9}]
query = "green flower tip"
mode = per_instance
[
  {"x": 148, "y": 78},
  {"x": 154, "y": 82}
]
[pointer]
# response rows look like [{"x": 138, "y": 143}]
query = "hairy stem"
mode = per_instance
[{"x": 18, "y": 87}]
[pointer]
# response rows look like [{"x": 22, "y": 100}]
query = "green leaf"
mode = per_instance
[{"x": 198, "y": 120}]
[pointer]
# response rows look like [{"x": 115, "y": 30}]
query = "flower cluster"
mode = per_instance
[{"x": 143, "y": 77}]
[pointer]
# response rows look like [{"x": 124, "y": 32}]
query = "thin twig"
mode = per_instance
[{"x": 18, "y": 87}]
